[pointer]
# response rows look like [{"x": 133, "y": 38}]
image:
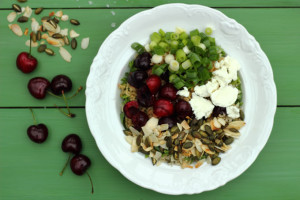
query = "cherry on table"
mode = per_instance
[
  {"x": 38, "y": 133},
  {"x": 72, "y": 143},
  {"x": 26, "y": 62},
  {"x": 38, "y": 87},
  {"x": 79, "y": 165},
  {"x": 60, "y": 83}
]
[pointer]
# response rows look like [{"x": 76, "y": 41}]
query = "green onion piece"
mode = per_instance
[
  {"x": 206, "y": 43},
  {"x": 195, "y": 59},
  {"x": 196, "y": 40},
  {"x": 183, "y": 35},
  {"x": 212, "y": 41},
  {"x": 155, "y": 37},
  {"x": 214, "y": 57},
  {"x": 174, "y": 66},
  {"x": 152, "y": 45},
  {"x": 157, "y": 70},
  {"x": 203, "y": 36},
  {"x": 174, "y": 44},
  {"x": 210, "y": 66},
  {"x": 191, "y": 74},
  {"x": 168, "y": 35},
  {"x": 174, "y": 36},
  {"x": 208, "y": 31},
  {"x": 158, "y": 50},
  {"x": 179, "y": 85},
  {"x": 161, "y": 32},
  {"x": 172, "y": 77},
  {"x": 165, "y": 46},
  {"x": 186, "y": 64},
  {"x": 180, "y": 55},
  {"x": 194, "y": 32},
  {"x": 184, "y": 41},
  {"x": 138, "y": 48},
  {"x": 203, "y": 74}
]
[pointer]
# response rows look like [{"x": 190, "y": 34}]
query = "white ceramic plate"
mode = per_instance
[{"x": 103, "y": 101}]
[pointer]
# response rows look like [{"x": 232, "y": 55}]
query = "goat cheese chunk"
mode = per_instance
[
  {"x": 225, "y": 96},
  {"x": 212, "y": 86},
  {"x": 201, "y": 91},
  {"x": 227, "y": 69},
  {"x": 184, "y": 93},
  {"x": 233, "y": 112},
  {"x": 201, "y": 107}
]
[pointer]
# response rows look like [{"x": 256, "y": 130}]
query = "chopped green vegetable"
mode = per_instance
[
  {"x": 138, "y": 48},
  {"x": 208, "y": 31}
]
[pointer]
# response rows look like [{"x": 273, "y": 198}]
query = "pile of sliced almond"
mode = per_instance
[{"x": 47, "y": 32}]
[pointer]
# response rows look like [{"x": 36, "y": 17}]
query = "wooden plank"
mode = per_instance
[
  {"x": 152, "y": 3},
  {"x": 274, "y": 29},
  {"x": 30, "y": 171}
]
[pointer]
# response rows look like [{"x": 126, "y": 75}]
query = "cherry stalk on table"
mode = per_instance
[
  {"x": 26, "y": 62},
  {"x": 38, "y": 133}
]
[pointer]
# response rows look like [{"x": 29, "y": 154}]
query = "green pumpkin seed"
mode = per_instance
[
  {"x": 147, "y": 142},
  {"x": 22, "y": 1},
  {"x": 126, "y": 132},
  {"x": 181, "y": 135},
  {"x": 22, "y": 19},
  {"x": 208, "y": 129},
  {"x": 211, "y": 147},
  {"x": 46, "y": 18},
  {"x": 44, "y": 29},
  {"x": 196, "y": 134},
  {"x": 219, "y": 142},
  {"x": 179, "y": 149},
  {"x": 219, "y": 131},
  {"x": 16, "y": 8},
  {"x": 140, "y": 149},
  {"x": 216, "y": 161},
  {"x": 38, "y": 11},
  {"x": 213, "y": 156},
  {"x": 212, "y": 137},
  {"x": 57, "y": 35},
  {"x": 187, "y": 145},
  {"x": 55, "y": 20},
  {"x": 174, "y": 130},
  {"x": 203, "y": 134},
  {"x": 242, "y": 115},
  {"x": 42, "y": 48},
  {"x": 139, "y": 140},
  {"x": 52, "y": 22},
  {"x": 233, "y": 130},
  {"x": 50, "y": 52},
  {"x": 33, "y": 36},
  {"x": 154, "y": 161},
  {"x": 74, "y": 22},
  {"x": 176, "y": 155},
  {"x": 205, "y": 141},
  {"x": 66, "y": 40},
  {"x": 194, "y": 122},
  {"x": 229, "y": 140},
  {"x": 195, "y": 127},
  {"x": 200, "y": 122},
  {"x": 176, "y": 142},
  {"x": 73, "y": 43},
  {"x": 190, "y": 137},
  {"x": 38, "y": 35},
  {"x": 169, "y": 142}
]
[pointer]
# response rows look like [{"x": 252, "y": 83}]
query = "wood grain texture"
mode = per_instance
[
  {"x": 274, "y": 29},
  {"x": 30, "y": 171},
  {"x": 152, "y": 3}
]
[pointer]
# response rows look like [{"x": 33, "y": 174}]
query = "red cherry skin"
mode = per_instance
[
  {"x": 153, "y": 82},
  {"x": 26, "y": 63},
  {"x": 130, "y": 108},
  {"x": 163, "y": 108},
  {"x": 37, "y": 87},
  {"x": 168, "y": 91}
]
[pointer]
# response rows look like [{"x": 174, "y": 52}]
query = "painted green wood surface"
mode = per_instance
[
  {"x": 151, "y": 3},
  {"x": 30, "y": 171},
  {"x": 275, "y": 29}
]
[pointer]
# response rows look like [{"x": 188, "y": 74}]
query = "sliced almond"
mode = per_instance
[
  {"x": 64, "y": 17},
  {"x": 236, "y": 124},
  {"x": 54, "y": 42},
  {"x": 59, "y": 14},
  {"x": 26, "y": 31},
  {"x": 129, "y": 138},
  {"x": 73, "y": 34},
  {"x": 65, "y": 54},
  {"x": 216, "y": 123},
  {"x": 42, "y": 42},
  {"x": 34, "y": 25},
  {"x": 57, "y": 30},
  {"x": 199, "y": 163},
  {"x": 33, "y": 44},
  {"x": 49, "y": 27},
  {"x": 11, "y": 16},
  {"x": 45, "y": 36},
  {"x": 85, "y": 43},
  {"x": 64, "y": 32},
  {"x": 185, "y": 125},
  {"x": 230, "y": 133},
  {"x": 16, "y": 29},
  {"x": 27, "y": 12},
  {"x": 205, "y": 148},
  {"x": 222, "y": 121}
]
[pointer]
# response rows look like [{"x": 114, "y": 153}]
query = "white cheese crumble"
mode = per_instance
[
  {"x": 156, "y": 59},
  {"x": 184, "y": 93},
  {"x": 201, "y": 91},
  {"x": 212, "y": 86},
  {"x": 225, "y": 96},
  {"x": 186, "y": 50},
  {"x": 227, "y": 69},
  {"x": 201, "y": 107},
  {"x": 169, "y": 58},
  {"x": 233, "y": 112}
]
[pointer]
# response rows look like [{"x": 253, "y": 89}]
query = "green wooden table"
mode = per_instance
[{"x": 31, "y": 171}]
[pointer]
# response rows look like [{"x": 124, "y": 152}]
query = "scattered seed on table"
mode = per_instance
[
  {"x": 16, "y": 8},
  {"x": 57, "y": 35},
  {"x": 38, "y": 11},
  {"x": 66, "y": 40},
  {"x": 22, "y": 19},
  {"x": 42, "y": 48},
  {"x": 50, "y": 52},
  {"x": 33, "y": 36},
  {"x": 22, "y": 1},
  {"x": 38, "y": 35},
  {"x": 74, "y": 43},
  {"x": 74, "y": 22}
]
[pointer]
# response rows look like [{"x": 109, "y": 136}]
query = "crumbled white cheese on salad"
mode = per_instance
[
  {"x": 201, "y": 106},
  {"x": 201, "y": 91},
  {"x": 184, "y": 93},
  {"x": 233, "y": 112},
  {"x": 225, "y": 96}
]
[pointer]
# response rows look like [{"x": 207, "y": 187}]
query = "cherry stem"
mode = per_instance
[
  {"x": 62, "y": 171},
  {"x": 75, "y": 94},
  {"x": 34, "y": 120},
  {"x": 71, "y": 115},
  {"x": 66, "y": 102},
  {"x": 91, "y": 182},
  {"x": 30, "y": 46}
]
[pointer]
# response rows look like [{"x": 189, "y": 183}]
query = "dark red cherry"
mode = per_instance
[
  {"x": 218, "y": 110},
  {"x": 144, "y": 96},
  {"x": 163, "y": 108},
  {"x": 137, "y": 78},
  {"x": 167, "y": 120},
  {"x": 38, "y": 133},
  {"x": 139, "y": 119},
  {"x": 72, "y": 143},
  {"x": 183, "y": 109},
  {"x": 26, "y": 62},
  {"x": 153, "y": 82},
  {"x": 143, "y": 61},
  {"x": 168, "y": 91},
  {"x": 38, "y": 87},
  {"x": 60, "y": 83},
  {"x": 79, "y": 164},
  {"x": 130, "y": 108}
]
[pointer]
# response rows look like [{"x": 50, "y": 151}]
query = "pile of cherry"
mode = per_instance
[
  {"x": 38, "y": 133},
  {"x": 151, "y": 92}
]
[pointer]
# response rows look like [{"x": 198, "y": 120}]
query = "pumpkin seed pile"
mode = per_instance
[
  {"x": 191, "y": 142},
  {"x": 48, "y": 32}
]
